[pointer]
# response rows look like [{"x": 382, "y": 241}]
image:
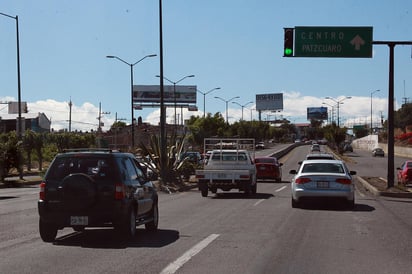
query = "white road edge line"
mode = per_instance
[
  {"x": 280, "y": 189},
  {"x": 174, "y": 266}
]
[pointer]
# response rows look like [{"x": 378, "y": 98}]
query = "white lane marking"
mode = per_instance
[
  {"x": 280, "y": 189},
  {"x": 258, "y": 202},
  {"x": 174, "y": 266}
]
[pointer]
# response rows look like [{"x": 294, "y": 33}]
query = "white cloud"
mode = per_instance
[{"x": 355, "y": 110}]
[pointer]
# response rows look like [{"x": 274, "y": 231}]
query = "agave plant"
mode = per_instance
[{"x": 172, "y": 169}]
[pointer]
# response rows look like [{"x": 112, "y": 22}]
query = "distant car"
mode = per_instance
[
  {"x": 148, "y": 167},
  {"x": 378, "y": 152},
  {"x": 192, "y": 156},
  {"x": 260, "y": 145},
  {"x": 320, "y": 156},
  {"x": 322, "y": 178},
  {"x": 404, "y": 173},
  {"x": 315, "y": 148},
  {"x": 268, "y": 168}
]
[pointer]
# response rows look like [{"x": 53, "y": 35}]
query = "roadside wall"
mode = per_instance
[
  {"x": 366, "y": 143},
  {"x": 371, "y": 141}
]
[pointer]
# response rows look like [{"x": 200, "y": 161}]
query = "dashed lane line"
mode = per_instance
[
  {"x": 280, "y": 189},
  {"x": 258, "y": 202},
  {"x": 174, "y": 266}
]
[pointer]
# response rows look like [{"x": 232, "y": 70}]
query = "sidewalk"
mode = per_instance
[
  {"x": 378, "y": 190},
  {"x": 15, "y": 181}
]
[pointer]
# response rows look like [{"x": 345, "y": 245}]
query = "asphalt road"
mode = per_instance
[{"x": 223, "y": 233}]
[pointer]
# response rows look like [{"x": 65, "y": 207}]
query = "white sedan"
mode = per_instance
[{"x": 323, "y": 178}]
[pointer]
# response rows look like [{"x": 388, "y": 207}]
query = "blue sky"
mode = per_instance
[{"x": 235, "y": 45}]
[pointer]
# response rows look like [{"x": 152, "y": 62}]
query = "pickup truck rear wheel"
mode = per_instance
[
  {"x": 248, "y": 188},
  {"x": 254, "y": 189},
  {"x": 203, "y": 189},
  {"x": 204, "y": 192}
]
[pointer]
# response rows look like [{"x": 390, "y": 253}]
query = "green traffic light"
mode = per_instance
[{"x": 288, "y": 51}]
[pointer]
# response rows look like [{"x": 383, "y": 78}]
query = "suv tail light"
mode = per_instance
[
  {"x": 119, "y": 191},
  {"x": 302, "y": 180},
  {"x": 344, "y": 181},
  {"x": 42, "y": 193}
]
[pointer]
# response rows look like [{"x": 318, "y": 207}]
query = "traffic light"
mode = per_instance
[{"x": 288, "y": 49}]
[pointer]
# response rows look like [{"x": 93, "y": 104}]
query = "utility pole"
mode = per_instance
[
  {"x": 116, "y": 128},
  {"x": 70, "y": 115},
  {"x": 100, "y": 117}
]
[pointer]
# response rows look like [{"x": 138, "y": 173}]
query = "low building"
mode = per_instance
[{"x": 37, "y": 122}]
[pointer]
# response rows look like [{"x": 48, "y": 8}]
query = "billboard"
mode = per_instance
[
  {"x": 14, "y": 107},
  {"x": 317, "y": 113},
  {"x": 271, "y": 101},
  {"x": 151, "y": 94}
]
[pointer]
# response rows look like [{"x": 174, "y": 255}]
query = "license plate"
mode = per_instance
[
  {"x": 322, "y": 184},
  {"x": 79, "y": 220},
  {"x": 262, "y": 168},
  {"x": 221, "y": 175}
]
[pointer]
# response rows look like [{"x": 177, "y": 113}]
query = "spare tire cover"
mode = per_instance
[{"x": 79, "y": 191}]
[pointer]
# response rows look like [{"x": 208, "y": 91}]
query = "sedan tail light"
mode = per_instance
[
  {"x": 344, "y": 181},
  {"x": 302, "y": 180},
  {"x": 119, "y": 191}
]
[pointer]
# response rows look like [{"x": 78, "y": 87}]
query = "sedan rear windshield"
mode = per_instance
[
  {"x": 323, "y": 168},
  {"x": 265, "y": 160}
]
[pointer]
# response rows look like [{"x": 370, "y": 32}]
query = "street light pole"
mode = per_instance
[
  {"x": 338, "y": 102},
  {"x": 371, "y": 109},
  {"x": 332, "y": 111},
  {"x": 131, "y": 85},
  {"x": 19, "y": 123},
  {"x": 242, "y": 106},
  {"x": 174, "y": 89},
  {"x": 204, "y": 99},
  {"x": 227, "y": 101}
]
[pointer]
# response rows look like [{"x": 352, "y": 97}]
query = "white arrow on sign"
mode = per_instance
[{"x": 357, "y": 41}]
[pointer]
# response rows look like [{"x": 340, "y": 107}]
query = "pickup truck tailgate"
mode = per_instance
[{"x": 222, "y": 175}]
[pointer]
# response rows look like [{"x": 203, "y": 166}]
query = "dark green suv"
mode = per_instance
[{"x": 96, "y": 188}]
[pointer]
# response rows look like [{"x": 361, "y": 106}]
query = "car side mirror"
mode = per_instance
[
  {"x": 293, "y": 171},
  {"x": 352, "y": 172}
]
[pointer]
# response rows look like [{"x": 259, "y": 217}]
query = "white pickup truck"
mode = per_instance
[{"x": 230, "y": 165}]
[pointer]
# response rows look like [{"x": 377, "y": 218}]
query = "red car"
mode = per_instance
[
  {"x": 268, "y": 168},
  {"x": 405, "y": 173}
]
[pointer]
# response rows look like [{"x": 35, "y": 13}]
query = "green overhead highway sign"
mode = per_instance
[{"x": 333, "y": 42}]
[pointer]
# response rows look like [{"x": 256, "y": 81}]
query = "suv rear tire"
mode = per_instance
[
  {"x": 48, "y": 231},
  {"x": 128, "y": 228},
  {"x": 152, "y": 225}
]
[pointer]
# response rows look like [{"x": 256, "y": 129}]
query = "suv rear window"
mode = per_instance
[{"x": 97, "y": 167}]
